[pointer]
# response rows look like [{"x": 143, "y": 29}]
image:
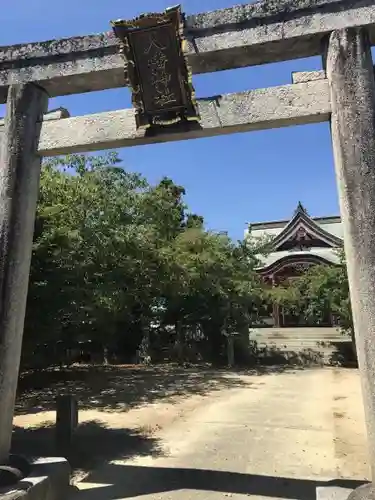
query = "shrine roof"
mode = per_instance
[
  {"x": 328, "y": 255},
  {"x": 329, "y": 224}
]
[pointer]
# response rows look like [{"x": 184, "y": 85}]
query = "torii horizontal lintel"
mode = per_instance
[
  {"x": 245, "y": 35},
  {"x": 259, "y": 109}
]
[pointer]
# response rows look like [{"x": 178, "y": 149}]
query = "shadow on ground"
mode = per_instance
[
  {"x": 128, "y": 481},
  {"x": 119, "y": 388},
  {"x": 92, "y": 444}
]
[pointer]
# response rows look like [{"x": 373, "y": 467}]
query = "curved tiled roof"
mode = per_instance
[
  {"x": 328, "y": 255},
  {"x": 286, "y": 234},
  {"x": 302, "y": 220}
]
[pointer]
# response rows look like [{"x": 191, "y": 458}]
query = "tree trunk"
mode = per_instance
[
  {"x": 230, "y": 352},
  {"x": 179, "y": 342}
]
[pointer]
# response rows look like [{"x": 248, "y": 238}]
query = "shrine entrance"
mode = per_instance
[
  {"x": 296, "y": 316},
  {"x": 155, "y": 55},
  {"x": 290, "y": 319},
  {"x": 296, "y": 246}
]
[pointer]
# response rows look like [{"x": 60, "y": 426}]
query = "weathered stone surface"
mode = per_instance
[
  {"x": 266, "y": 32},
  {"x": 332, "y": 493},
  {"x": 49, "y": 480},
  {"x": 307, "y": 76},
  {"x": 252, "y": 110},
  {"x": 352, "y": 88},
  {"x": 66, "y": 422},
  {"x": 364, "y": 492},
  {"x": 9, "y": 475},
  {"x": 251, "y": 34},
  {"x": 72, "y": 74},
  {"x": 264, "y": 10},
  {"x": 54, "y": 114},
  {"x": 19, "y": 183}
]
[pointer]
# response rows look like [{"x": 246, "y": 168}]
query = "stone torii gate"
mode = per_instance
[{"x": 341, "y": 31}]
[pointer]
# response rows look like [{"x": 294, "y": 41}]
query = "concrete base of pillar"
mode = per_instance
[
  {"x": 363, "y": 492},
  {"x": 49, "y": 479},
  {"x": 332, "y": 493}
]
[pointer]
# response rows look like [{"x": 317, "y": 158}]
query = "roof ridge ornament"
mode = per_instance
[{"x": 301, "y": 209}]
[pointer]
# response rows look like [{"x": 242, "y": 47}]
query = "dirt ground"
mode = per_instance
[
  {"x": 131, "y": 413},
  {"x": 121, "y": 408}
]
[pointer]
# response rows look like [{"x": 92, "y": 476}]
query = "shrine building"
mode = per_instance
[{"x": 296, "y": 244}]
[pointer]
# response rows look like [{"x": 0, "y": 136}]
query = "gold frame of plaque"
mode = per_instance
[{"x": 156, "y": 69}]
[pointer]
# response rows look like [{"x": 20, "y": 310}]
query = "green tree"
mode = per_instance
[
  {"x": 320, "y": 289},
  {"x": 327, "y": 288},
  {"x": 213, "y": 288},
  {"x": 85, "y": 220},
  {"x": 114, "y": 256}
]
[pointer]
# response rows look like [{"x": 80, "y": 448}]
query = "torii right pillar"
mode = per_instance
[{"x": 350, "y": 75}]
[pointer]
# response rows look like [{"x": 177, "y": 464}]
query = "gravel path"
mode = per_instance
[{"x": 275, "y": 436}]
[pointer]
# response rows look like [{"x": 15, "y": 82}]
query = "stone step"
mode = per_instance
[
  {"x": 300, "y": 341},
  {"x": 315, "y": 345},
  {"x": 320, "y": 342},
  {"x": 325, "y": 354},
  {"x": 300, "y": 331},
  {"x": 298, "y": 328},
  {"x": 297, "y": 334}
]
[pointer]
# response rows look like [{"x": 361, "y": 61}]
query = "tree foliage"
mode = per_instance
[
  {"x": 320, "y": 289},
  {"x": 124, "y": 267},
  {"x": 121, "y": 263}
]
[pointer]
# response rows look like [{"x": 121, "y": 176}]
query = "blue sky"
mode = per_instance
[{"x": 230, "y": 180}]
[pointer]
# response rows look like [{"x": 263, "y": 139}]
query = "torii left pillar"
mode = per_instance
[{"x": 19, "y": 185}]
